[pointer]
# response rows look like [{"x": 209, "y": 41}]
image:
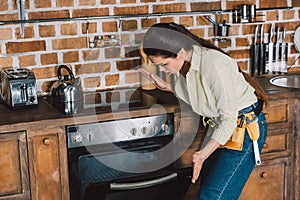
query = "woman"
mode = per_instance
[{"x": 210, "y": 81}]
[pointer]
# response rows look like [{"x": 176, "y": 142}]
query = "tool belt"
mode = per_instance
[{"x": 245, "y": 121}]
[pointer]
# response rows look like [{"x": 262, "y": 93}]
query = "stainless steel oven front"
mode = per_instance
[{"x": 125, "y": 159}]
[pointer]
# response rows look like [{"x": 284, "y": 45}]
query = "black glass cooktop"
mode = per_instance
[{"x": 116, "y": 100}]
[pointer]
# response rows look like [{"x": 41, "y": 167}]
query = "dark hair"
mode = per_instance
[{"x": 167, "y": 39}]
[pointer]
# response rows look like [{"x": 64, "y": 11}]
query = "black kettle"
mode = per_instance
[{"x": 66, "y": 93}]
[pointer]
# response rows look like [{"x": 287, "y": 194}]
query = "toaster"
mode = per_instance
[{"x": 18, "y": 87}]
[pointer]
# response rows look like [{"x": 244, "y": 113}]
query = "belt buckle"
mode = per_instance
[{"x": 211, "y": 123}]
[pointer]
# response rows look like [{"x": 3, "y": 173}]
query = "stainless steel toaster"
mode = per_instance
[{"x": 18, "y": 87}]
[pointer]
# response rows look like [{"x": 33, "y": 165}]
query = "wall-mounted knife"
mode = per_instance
[
  {"x": 276, "y": 52},
  {"x": 261, "y": 65},
  {"x": 269, "y": 57},
  {"x": 254, "y": 53},
  {"x": 21, "y": 9}
]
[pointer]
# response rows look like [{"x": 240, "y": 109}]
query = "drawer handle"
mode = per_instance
[
  {"x": 265, "y": 146},
  {"x": 46, "y": 141},
  {"x": 264, "y": 175}
]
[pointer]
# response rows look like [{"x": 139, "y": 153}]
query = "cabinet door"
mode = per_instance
[
  {"x": 268, "y": 182},
  {"x": 14, "y": 182},
  {"x": 46, "y": 167}
]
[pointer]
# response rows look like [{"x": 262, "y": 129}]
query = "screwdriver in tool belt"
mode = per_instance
[{"x": 255, "y": 146}]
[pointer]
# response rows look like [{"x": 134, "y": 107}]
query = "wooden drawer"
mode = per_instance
[
  {"x": 14, "y": 183},
  {"x": 277, "y": 111},
  {"x": 266, "y": 182},
  {"x": 275, "y": 143}
]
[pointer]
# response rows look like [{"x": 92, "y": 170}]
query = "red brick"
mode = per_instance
[
  {"x": 42, "y": 4},
  {"x": 25, "y": 61},
  {"x": 21, "y": 47},
  {"x": 147, "y": 1},
  {"x": 28, "y": 32},
  {"x": 49, "y": 58},
  {"x": 64, "y": 3},
  {"x": 175, "y": 7},
  {"x": 69, "y": 43},
  {"x": 47, "y": 30},
  {"x": 146, "y": 23},
  {"x": 127, "y": 64},
  {"x": 129, "y": 25},
  {"x": 109, "y": 26},
  {"x": 127, "y": 1},
  {"x": 92, "y": 98},
  {"x": 132, "y": 77},
  {"x": 68, "y": 29},
  {"x": 4, "y": 6},
  {"x": 105, "y": 2},
  {"x": 288, "y": 14},
  {"x": 112, "y": 79},
  {"x": 87, "y": 2},
  {"x": 91, "y": 54},
  {"x": 130, "y": 10},
  {"x": 198, "y": 32},
  {"x": 242, "y": 42},
  {"x": 166, "y": 19},
  {"x": 92, "y": 68},
  {"x": 92, "y": 27},
  {"x": 236, "y": 4},
  {"x": 6, "y": 62},
  {"x": 204, "y": 6},
  {"x": 49, "y": 14},
  {"x": 272, "y": 15},
  {"x": 71, "y": 56},
  {"x": 9, "y": 17},
  {"x": 5, "y": 33},
  {"x": 114, "y": 52},
  {"x": 90, "y": 12},
  {"x": 272, "y": 4},
  {"x": 186, "y": 21},
  {"x": 92, "y": 82},
  {"x": 132, "y": 51},
  {"x": 243, "y": 65},
  {"x": 238, "y": 54},
  {"x": 45, "y": 72}
]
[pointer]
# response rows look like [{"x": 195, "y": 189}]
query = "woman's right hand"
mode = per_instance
[{"x": 156, "y": 80}]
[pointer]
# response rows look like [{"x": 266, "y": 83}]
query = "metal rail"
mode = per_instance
[{"x": 127, "y": 16}]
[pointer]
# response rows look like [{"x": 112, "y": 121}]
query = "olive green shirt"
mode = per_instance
[{"x": 214, "y": 88}]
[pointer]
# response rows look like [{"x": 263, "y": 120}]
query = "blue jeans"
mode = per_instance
[{"x": 226, "y": 171}]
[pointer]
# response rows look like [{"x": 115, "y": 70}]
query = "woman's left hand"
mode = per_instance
[
  {"x": 198, "y": 162},
  {"x": 157, "y": 81}
]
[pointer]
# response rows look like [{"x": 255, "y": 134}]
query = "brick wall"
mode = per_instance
[{"x": 46, "y": 45}]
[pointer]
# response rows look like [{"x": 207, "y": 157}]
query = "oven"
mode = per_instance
[{"x": 125, "y": 159}]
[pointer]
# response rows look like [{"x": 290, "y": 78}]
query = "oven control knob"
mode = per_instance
[
  {"x": 133, "y": 131},
  {"x": 164, "y": 127},
  {"x": 77, "y": 138},
  {"x": 156, "y": 129},
  {"x": 144, "y": 130}
]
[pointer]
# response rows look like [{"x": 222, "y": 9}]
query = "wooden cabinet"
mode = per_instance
[
  {"x": 273, "y": 179},
  {"x": 268, "y": 181},
  {"x": 47, "y": 158},
  {"x": 14, "y": 179}
]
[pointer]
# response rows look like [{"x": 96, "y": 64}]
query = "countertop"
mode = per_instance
[{"x": 11, "y": 120}]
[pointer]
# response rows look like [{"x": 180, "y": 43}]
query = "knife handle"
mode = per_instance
[{"x": 253, "y": 60}]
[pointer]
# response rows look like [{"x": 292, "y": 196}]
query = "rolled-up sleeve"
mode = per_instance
[{"x": 221, "y": 82}]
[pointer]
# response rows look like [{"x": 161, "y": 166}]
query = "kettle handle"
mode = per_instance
[{"x": 67, "y": 68}]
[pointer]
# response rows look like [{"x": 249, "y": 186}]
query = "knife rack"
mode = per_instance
[{"x": 269, "y": 58}]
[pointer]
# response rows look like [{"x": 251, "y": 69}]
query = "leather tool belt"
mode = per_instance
[{"x": 245, "y": 121}]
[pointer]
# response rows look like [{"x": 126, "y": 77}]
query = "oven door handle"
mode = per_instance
[{"x": 143, "y": 184}]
